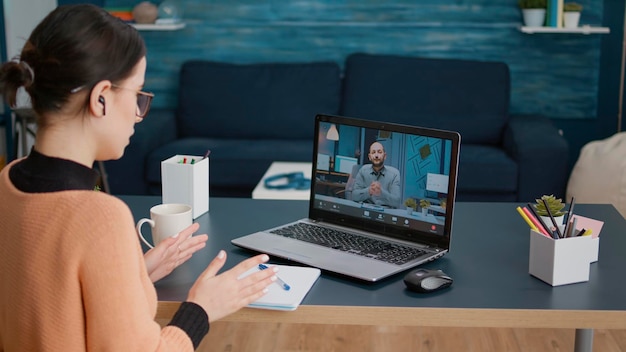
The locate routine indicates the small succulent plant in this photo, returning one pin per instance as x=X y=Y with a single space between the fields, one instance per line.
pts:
x=572 y=7
x=555 y=205
x=410 y=203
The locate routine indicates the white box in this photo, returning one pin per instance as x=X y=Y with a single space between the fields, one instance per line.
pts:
x=185 y=182
x=559 y=262
x=594 y=249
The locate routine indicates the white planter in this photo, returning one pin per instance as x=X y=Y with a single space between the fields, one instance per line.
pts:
x=571 y=19
x=534 y=17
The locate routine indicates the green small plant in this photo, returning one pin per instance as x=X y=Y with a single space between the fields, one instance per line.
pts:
x=555 y=205
x=410 y=203
x=424 y=203
x=532 y=4
x=572 y=7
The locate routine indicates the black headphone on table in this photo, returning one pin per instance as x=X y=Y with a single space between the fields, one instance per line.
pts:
x=295 y=180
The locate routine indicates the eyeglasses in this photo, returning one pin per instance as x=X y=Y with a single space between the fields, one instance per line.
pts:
x=144 y=99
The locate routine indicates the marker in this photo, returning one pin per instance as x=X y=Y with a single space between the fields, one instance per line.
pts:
x=535 y=221
x=279 y=281
x=525 y=217
x=545 y=203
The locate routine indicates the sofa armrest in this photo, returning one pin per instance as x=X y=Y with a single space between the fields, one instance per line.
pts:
x=541 y=153
x=127 y=175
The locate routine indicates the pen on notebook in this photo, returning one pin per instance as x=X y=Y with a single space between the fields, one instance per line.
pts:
x=545 y=203
x=279 y=281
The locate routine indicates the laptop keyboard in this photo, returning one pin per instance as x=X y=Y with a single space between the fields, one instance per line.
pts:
x=351 y=243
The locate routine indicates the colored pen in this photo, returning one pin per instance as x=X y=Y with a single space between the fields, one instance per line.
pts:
x=587 y=232
x=206 y=155
x=570 y=211
x=525 y=217
x=568 y=231
x=552 y=218
x=279 y=281
x=572 y=228
x=540 y=220
x=535 y=222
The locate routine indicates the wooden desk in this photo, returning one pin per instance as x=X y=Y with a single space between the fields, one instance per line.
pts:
x=488 y=261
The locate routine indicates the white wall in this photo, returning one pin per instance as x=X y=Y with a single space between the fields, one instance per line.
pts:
x=20 y=18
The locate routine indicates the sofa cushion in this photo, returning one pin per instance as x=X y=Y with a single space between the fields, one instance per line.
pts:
x=471 y=97
x=232 y=162
x=255 y=101
x=486 y=170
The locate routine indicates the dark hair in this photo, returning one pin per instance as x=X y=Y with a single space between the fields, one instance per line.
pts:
x=74 y=47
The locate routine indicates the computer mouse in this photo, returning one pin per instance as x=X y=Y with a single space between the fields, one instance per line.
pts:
x=425 y=280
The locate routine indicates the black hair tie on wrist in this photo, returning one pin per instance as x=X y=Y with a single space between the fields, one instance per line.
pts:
x=295 y=180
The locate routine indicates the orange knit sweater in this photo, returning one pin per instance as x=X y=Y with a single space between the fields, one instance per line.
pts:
x=73 y=277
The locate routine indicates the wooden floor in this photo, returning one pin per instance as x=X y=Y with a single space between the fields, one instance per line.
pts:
x=235 y=337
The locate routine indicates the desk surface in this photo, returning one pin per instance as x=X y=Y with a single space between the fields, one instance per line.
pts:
x=488 y=261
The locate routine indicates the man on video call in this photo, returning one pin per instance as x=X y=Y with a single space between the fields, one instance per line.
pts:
x=376 y=183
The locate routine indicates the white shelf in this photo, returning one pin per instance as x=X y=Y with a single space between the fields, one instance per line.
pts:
x=578 y=30
x=159 y=27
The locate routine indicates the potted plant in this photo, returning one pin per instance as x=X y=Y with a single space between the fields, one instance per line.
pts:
x=424 y=204
x=571 y=14
x=555 y=205
x=411 y=204
x=533 y=12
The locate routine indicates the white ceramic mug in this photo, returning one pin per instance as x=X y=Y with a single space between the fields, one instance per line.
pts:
x=166 y=220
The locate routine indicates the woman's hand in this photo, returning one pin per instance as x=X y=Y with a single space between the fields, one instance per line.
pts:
x=173 y=251
x=224 y=294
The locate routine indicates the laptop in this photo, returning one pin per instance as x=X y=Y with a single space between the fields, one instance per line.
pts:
x=382 y=200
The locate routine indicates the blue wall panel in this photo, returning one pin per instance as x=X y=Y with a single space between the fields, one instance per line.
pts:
x=552 y=74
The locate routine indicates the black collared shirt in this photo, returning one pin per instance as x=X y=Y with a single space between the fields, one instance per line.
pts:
x=39 y=173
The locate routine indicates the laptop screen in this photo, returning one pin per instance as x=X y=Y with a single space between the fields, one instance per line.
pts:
x=390 y=179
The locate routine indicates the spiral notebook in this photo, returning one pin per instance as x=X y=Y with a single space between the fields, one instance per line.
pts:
x=300 y=280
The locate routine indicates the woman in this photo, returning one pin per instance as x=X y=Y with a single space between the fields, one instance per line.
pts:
x=72 y=270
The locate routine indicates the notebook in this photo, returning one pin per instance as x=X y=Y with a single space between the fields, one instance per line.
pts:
x=300 y=280
x=382 y=203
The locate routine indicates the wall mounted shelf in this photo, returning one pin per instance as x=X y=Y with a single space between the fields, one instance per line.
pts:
x=577 y=30
x=159 y=27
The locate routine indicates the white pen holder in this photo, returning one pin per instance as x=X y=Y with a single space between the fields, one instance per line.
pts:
x=594 y=249
x=560 y=262
x=185 y=179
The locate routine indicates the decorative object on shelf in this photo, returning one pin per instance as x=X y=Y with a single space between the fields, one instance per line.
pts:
x=169 y=12
x=554 y=14
x=411 y=204
x=145 y=12
x=533 y=12
x=424 y=204
x=571 y=14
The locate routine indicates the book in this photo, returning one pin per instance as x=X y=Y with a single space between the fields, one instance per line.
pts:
x=554 y=14
x=300 y=280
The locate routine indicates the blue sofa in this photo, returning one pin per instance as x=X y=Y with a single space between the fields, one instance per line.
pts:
x=249 y=115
